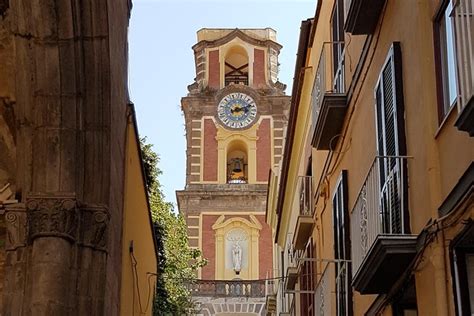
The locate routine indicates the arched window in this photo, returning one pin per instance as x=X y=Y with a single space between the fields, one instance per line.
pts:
x=236 y=66
x=237 y=162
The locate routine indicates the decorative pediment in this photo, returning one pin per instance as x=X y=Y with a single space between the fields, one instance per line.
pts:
x=236 y=222
x=237 y=33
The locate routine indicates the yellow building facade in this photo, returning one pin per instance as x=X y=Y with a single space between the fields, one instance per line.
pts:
x=139 y=261
x=372 y=207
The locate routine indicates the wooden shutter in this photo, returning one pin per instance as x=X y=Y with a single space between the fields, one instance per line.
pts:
x=342 y=247
x=391 y=141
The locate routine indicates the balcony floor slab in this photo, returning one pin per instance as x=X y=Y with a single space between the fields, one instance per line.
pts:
x=385 y=262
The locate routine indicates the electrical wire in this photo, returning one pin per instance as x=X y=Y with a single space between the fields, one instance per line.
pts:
x=135 y=275
x=149 y=276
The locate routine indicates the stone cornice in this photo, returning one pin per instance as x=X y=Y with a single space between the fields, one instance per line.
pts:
x=236 y=33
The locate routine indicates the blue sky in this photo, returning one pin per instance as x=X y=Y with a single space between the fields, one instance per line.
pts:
x=161 y=67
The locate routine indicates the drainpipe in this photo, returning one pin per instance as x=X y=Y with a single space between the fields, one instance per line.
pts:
x=439 y=262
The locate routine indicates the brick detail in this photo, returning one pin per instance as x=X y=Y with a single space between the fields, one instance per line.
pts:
x=265 y=249
x=258 y=68
x=210 y=151
x=263 y=150
x=209 y=247
x=214 y=69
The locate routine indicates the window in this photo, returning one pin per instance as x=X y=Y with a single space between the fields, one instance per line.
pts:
x=391 y=144
x=342 y=248
x=337 y=21
x=405 y=303
x=462 y=252
x=445 y=56
x=307 y=284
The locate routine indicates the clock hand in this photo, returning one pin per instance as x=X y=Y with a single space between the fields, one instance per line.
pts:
x=239 y=109
x=246 y=108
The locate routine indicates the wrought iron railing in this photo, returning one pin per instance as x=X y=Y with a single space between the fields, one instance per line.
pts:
x=294 y=256
x=270 y=286
x=380 y=208
x=463 y=18
x=231 y=288
x=333 y=291
x=323 y=296
x=330 y=75
x=305 y=189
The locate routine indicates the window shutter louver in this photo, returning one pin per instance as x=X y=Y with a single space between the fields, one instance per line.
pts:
x=390 y=141
x=342 y=248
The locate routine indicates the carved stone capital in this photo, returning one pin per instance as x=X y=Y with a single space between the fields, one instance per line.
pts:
x=52 y=216
x=94 y=226
x=16 y=226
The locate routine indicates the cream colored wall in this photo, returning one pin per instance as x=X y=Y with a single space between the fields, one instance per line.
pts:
x=136 y=227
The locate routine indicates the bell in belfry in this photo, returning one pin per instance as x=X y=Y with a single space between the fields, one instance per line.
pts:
x=237 y=165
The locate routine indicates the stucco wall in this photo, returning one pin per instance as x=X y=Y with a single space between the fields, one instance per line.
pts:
x=137 y=230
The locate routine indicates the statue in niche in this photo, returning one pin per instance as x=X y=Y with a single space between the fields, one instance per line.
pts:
x=237 y=257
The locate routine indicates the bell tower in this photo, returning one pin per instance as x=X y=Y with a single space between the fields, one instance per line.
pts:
x=235 y=117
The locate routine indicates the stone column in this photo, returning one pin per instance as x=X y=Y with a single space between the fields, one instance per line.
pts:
x=57 y=248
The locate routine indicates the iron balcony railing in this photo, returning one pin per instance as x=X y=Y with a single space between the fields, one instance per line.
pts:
x=270 y=285
x=294 y=256
x=463 y=18
x=380 y=208
x=333 y=292
x=305 y=189
x=323 y=295
x=231 y=288
x=330 y=76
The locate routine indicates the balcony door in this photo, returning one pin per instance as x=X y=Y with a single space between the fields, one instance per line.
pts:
x=337 y=25
x=391 y=144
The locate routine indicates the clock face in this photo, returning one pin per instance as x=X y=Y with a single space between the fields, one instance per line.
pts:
x=237 y=110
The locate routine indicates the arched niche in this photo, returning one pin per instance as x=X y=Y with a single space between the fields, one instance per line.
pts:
x=247 y=230
x=237 y=162
x=236 y=66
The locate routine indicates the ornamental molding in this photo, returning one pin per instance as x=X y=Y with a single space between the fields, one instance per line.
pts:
x=61 y=216
x=94 y=223
x=52 y=216
x=16 y=226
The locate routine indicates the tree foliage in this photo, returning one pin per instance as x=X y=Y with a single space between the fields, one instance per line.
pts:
x=177 y=263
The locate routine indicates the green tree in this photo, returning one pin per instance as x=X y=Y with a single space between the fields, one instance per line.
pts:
x=177 y=263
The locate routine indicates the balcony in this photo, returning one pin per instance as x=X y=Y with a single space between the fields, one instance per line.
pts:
x=291 y=266
x=270 y=295
x=305 y=221
x=329 y=101
x=324 y=292
x=463 y=18
x=382 y=247
x=294 y=261
x=333 y=295
x=231 y=288
x=361 y=16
